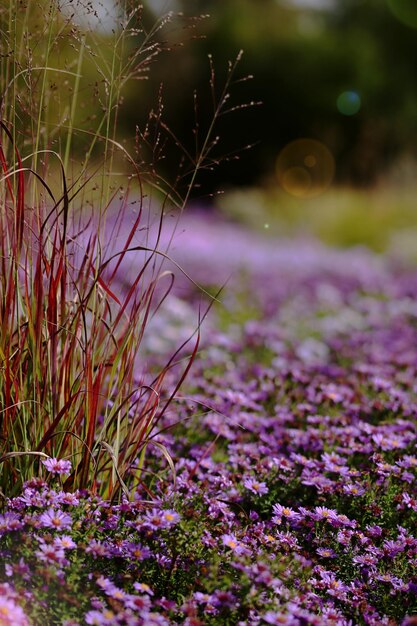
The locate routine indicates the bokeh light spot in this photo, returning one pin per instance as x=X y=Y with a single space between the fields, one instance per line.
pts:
x=296 y=181
x=305 y=168
x=405 y=11
x=310 y=160
x=349 y=103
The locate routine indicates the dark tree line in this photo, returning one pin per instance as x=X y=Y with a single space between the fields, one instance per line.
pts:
x=301 y=62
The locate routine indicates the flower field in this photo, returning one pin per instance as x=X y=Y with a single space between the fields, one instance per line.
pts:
x=289 y=492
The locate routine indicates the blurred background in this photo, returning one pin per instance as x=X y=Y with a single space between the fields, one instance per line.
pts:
x=328 y=142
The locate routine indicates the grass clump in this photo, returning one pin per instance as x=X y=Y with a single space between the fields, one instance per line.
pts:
x=74 y=381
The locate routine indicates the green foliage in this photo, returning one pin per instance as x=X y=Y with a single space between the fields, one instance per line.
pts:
x=383 y=219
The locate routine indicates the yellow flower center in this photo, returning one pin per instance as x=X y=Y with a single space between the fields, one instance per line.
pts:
x=4 y=611
x=108 y=614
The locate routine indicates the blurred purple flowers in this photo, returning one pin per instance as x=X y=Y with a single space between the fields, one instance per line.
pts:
x=295 y=453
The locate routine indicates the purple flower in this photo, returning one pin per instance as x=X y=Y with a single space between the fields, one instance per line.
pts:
x=409 y=502
x=334 y=463
x=68 y=498
x=97 y=548
x=394 y=581
x=100 y=618
x=56 y=466
x=137 y=603
x=393 y=547
x=157 y=519
x=408 y=461
x=287 y=540
x=344 y=537
x=105 y=584
x=230 y=541
x=10 y=521
x=386 y=442
x=48 y=553
x=374 y=531
x=154 y=619
x=223 y=599
x=354 y=489
x=143 y=588
x=116 y=593
x=20 y=569
x=255 y=486
x=170 y=518
x=322 y=513
x=333 y=586
x=55 y=519
x=136 y=551
x=11 y=614
x=343 y=520
x=326 y=553
x=365 y=559
x=271 y=617
x=202 y=598
x=286 y=512
x=64 y=542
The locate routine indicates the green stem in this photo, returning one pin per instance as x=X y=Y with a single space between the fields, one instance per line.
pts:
x=74 y=103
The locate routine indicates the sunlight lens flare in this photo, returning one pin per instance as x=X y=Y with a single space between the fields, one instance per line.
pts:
x=348 y=103
x=305 y=168
x=405 y=11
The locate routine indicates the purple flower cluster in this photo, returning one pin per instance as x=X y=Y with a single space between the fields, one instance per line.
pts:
x=294 y=443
